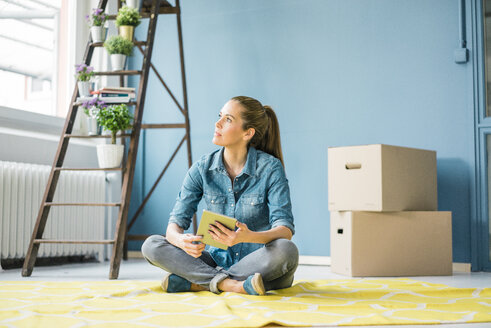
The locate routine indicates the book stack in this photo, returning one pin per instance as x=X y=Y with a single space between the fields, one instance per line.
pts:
x=384 y=217
x=115 y=94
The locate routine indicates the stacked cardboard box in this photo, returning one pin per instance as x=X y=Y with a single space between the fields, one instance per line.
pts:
x=383 y=208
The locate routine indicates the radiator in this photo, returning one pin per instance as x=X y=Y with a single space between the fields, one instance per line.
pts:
x=22 y=188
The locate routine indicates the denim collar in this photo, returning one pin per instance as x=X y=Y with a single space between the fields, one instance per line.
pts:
x=249 y=167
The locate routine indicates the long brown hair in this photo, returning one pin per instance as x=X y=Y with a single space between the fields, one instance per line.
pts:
x=264 y=121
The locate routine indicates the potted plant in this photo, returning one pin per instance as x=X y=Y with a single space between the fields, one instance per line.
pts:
x=114 y=118
x=126 y=20
x=96 y=22
x=91 y=109
x=119 y=48
x=83 y=74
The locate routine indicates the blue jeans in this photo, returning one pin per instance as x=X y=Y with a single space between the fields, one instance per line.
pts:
x=276 y=262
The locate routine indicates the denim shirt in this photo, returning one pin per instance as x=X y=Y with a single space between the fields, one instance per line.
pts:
x=259 y=197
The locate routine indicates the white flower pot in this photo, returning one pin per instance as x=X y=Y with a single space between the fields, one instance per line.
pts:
x=133 y=3
x=117 y=62
x=98 y=33
x=93 y=127
x=84 y=88
x=110 y=155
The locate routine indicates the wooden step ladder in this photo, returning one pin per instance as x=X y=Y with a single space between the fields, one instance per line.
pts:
x=151 y=10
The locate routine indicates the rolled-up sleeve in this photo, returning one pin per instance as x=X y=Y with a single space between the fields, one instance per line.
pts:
x=188 y=198
x=280 y=206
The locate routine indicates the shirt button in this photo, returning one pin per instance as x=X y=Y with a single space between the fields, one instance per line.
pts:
x=232 y=205
x=229 y=189
x=212 y=201
x=236 y=254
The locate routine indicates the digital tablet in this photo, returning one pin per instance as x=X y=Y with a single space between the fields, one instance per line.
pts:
x=208 y=218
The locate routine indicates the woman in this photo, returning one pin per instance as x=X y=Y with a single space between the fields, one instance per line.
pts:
x=244 y=179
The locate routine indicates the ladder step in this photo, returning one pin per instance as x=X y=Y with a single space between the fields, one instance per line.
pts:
x=101 y=44
x=117 y=73
x=163 y=126
x=124 y=135
x=131 y=103
x=137 y=237
x=82 y=204
x=163 y=10
x=53 y=241
x=86 y=169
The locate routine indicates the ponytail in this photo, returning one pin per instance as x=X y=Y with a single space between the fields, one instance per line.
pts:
x=265 y=123
x=271 y=142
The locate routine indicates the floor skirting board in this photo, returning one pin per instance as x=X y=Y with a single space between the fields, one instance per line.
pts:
x=303 y=260
x=326 y=260
x=314 y=260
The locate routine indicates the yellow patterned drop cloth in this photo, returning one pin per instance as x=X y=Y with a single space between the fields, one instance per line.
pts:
x=307 y=303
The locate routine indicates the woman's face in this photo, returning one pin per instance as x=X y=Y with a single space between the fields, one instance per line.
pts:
x=228 y=128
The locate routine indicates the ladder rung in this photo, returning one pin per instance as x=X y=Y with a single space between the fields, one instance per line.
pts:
x=86 y=169
x=53 y=241
x=136 y=43
x=82 y=204
x=137 y=237
x=124 y=135
x=116 y=73
x=163 y=126
x=163 y=10
x=131 y=103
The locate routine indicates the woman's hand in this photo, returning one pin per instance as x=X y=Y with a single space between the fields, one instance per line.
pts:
x=191 y=244
x=187 y=242
x=222 y=234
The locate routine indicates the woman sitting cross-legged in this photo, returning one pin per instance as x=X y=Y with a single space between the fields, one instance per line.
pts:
x=244 y=179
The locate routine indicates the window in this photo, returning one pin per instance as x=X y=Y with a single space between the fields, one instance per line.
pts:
x=29 y=41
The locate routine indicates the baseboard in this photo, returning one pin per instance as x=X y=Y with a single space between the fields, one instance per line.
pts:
x=323 y=260
x=135 y=255
x=304 y=259
x=314 y=260
x=326 y=260
x=461 y=267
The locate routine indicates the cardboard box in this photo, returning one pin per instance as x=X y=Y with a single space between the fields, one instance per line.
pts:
x=381 y=178
x=378 y=244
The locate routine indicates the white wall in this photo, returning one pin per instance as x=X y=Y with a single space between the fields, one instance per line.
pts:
x=33 y=138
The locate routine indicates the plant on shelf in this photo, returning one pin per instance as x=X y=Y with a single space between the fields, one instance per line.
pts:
x=84 y=74
x=96 y=21
x=119 y=48
x=113 y=118
x=126 y=20
x=91 y=109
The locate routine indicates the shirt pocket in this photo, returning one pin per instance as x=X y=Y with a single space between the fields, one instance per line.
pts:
x=253 y=210
x=216 y=203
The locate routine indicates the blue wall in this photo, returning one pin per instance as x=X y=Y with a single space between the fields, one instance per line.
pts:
x=337 y=73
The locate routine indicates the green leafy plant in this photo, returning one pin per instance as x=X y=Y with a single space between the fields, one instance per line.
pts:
x=115 y=118
x=116 y=44
x=128 y=17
